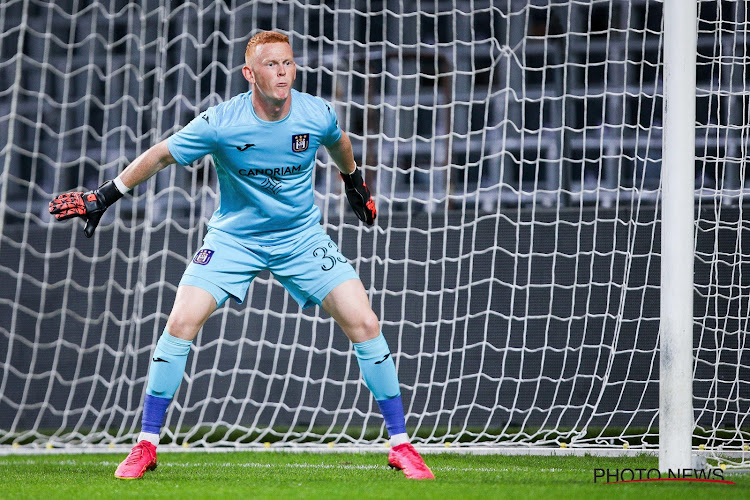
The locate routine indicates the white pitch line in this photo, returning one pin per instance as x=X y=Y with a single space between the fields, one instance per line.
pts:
x=255 y=465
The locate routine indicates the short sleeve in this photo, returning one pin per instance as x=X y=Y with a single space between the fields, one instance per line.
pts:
x=196 y=140
x=332 y=131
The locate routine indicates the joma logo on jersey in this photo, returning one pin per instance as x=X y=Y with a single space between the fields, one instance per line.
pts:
x=203 y=257
x=300 y=142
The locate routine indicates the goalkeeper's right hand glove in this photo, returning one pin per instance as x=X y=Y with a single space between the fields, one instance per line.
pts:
x=90 y=206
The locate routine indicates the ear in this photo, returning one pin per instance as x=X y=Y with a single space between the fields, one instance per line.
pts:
x=247 y=73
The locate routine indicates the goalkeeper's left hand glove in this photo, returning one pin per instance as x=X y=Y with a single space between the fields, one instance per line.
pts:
x=90 y=206
x=359 y=196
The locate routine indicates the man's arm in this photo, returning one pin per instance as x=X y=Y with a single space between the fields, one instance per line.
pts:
x=356 y=190
x=146 y=165
x=341 y=154
x=90 y=206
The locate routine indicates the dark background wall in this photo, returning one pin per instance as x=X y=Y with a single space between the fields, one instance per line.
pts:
x=520 y=319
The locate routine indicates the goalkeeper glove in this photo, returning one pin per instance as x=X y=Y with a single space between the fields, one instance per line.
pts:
x=359 y=196
x=90 y=206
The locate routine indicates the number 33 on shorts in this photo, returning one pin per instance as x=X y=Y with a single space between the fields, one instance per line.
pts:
x=330 y=256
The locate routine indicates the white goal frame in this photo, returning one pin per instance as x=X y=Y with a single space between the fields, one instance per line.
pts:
x=676 y=422
x=523 y=164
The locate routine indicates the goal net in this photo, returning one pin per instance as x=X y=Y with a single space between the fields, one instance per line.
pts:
x=514 y=149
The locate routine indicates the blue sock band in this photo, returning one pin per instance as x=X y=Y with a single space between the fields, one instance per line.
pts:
x=154 y=409
x=393 y=414
x=164 y=377
x=379 y=372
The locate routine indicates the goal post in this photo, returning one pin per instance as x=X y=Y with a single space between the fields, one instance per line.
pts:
x=676 y=421
x=534 y=209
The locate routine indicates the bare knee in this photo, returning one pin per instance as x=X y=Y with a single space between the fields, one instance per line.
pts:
x=192 y=307
x=366 y=327
x=350 y=307
x=183 y=326
x=371 y=325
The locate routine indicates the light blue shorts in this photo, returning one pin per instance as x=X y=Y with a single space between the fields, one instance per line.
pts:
x=309 y=266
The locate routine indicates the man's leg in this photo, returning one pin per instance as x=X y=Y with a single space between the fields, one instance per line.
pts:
x=191 y=309
x=349 y=305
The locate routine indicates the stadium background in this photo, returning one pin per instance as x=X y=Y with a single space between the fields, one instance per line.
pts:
x=515 y=262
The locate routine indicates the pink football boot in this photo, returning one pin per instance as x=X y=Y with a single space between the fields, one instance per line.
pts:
x=406 y=458
x=141 y=458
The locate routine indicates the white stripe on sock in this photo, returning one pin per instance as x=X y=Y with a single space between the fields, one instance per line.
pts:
x=398 y=439
x=150 y=437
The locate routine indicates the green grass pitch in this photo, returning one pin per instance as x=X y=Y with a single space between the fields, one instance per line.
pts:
x=338 y=475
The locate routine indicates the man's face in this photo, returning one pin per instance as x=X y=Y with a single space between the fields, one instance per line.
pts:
x=272 y=70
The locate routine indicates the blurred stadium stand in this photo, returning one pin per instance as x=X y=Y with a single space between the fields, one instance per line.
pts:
x=552 y=99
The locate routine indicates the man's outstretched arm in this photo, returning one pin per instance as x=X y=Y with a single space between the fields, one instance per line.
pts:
x=146 y=165
x=90 y=206
x=356 y=190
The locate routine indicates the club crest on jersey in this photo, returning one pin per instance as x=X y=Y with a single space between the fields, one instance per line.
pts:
x=300 y=142
x=203 y=256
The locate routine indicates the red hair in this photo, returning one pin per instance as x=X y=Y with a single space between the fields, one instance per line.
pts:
x=261 y=38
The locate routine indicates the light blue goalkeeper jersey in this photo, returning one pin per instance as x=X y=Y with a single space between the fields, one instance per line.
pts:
x=264 y=168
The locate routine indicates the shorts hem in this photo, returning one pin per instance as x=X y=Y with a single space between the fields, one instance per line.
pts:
x=220 y=295
x=317 y=297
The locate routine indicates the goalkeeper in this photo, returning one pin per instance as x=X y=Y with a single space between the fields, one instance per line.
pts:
x=263 y=144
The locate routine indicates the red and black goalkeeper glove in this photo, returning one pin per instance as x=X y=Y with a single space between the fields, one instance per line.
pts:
x=359 y=196
x=90 y=206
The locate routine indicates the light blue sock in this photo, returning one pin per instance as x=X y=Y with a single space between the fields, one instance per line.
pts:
x=164 y=377
x=379 y=372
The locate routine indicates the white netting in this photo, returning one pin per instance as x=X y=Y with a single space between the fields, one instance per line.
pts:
x=722 y=268
x=514 y=148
